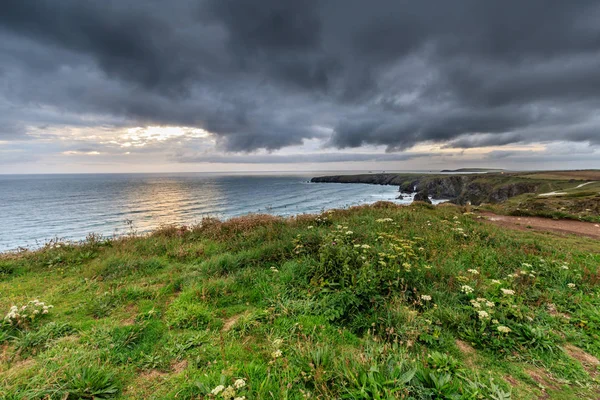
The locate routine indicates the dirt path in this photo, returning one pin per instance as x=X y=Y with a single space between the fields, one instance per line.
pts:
x=564 y=226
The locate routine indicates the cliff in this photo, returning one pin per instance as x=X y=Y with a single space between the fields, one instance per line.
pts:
x=459 y=189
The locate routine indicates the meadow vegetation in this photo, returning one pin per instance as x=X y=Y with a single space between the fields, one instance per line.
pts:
x=374 y=302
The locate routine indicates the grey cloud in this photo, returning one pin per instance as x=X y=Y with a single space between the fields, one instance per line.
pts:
x=265 y=74
x=294 y=158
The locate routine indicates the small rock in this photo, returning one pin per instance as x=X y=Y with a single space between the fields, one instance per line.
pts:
x=422 y=195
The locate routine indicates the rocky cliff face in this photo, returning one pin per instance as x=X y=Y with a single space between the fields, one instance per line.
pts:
x=459 y=189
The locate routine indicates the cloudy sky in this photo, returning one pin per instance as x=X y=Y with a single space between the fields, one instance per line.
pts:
x=221 y=85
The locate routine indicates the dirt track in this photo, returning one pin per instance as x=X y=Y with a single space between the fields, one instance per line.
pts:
x=563 y=226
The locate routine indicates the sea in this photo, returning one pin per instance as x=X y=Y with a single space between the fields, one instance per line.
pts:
x=36 y=209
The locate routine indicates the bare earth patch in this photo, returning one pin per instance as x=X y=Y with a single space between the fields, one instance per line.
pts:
x=542 y=378
x=230 y=322
x=179 y=366
x=589 y=362
x=563 y=226
x=468 y=351
x=555 y=313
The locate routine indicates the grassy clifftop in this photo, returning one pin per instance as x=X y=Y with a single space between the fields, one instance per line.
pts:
x=374 y=302
x=555 y=194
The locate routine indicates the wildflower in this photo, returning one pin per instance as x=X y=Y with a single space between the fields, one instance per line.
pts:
x=496 y=281
x=473 y=271
x=495 y=321
x=228 y=393
x=240 y=383
x=217 y=390
x=483 y=314
x=310 y=227
x=365 y=246
x=565 y=267
x=526 y=265
x=489 y=304
x=571 y=285
x=475 y=304
x=357 y=245
x=240 y=398
x=507 y=292
x=504 y=329
x=276 y=354
x=273 y=269
x=277 y=342
x=466 y=289
x=425 y=297
x=349 y=233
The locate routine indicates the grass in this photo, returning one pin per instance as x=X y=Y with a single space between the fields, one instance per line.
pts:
x=571 y=202
x=375 y=302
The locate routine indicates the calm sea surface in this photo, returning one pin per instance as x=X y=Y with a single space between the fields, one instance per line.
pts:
x=37 y=208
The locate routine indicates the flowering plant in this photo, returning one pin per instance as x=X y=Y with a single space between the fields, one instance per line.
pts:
x=235 y=391
x=27 y=314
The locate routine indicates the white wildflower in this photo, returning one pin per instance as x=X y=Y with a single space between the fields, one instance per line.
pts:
x=218 y=390
x=467 y=289
x=504 y=329
x=228 y=393
x=483 y=314
x=425 y=297
x=276 y=354
x=507 y=292
x=475 y=304
x=473 y=271
x=240 y=383
x=349 y=232
x=571 y=285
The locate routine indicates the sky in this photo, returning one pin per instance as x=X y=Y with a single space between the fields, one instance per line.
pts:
x=278 y=85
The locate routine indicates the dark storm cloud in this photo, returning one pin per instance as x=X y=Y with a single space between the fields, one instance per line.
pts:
x=269 y=74
x=294 y=158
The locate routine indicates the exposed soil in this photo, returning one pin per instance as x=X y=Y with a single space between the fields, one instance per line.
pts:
x=229 y=323
x=468 y=351
x=542 y=378
x=563 y=226
x=589 y=362
x=179 y=366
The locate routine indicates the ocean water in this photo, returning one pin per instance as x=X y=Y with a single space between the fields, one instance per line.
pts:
x=38 y=208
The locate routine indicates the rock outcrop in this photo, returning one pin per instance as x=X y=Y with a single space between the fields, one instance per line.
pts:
x=423 y=196
x=460 y=189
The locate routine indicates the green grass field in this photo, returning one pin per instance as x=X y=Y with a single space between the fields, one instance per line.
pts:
x=378 y=302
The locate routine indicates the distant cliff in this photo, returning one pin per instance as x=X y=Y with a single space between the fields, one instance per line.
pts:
x=459 y=189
